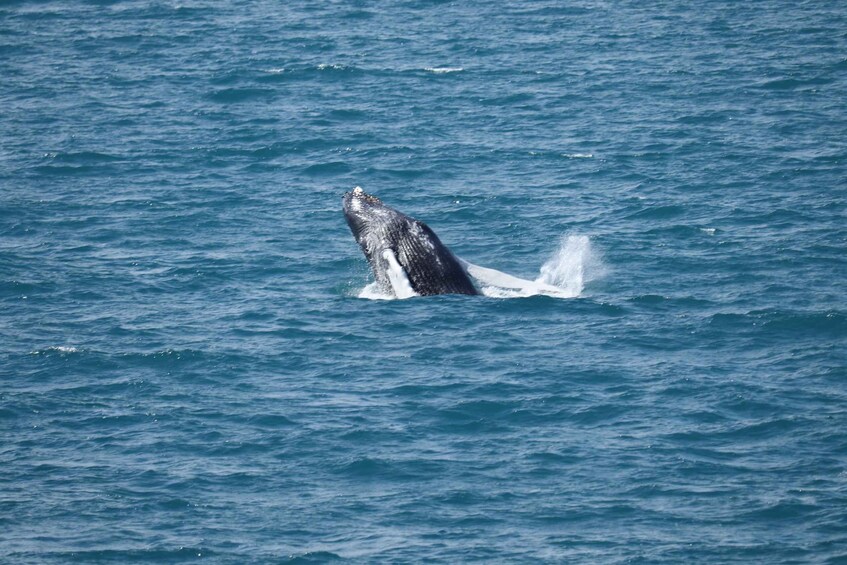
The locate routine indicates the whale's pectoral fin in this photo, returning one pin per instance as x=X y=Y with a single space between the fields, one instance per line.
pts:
x=397 y=276
x=495 y=278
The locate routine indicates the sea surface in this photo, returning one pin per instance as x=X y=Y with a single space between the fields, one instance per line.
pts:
x=192 y=370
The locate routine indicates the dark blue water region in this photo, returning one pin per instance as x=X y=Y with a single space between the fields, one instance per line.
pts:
x=190 y=369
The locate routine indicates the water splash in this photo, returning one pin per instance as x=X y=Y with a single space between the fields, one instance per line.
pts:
x=574 y=264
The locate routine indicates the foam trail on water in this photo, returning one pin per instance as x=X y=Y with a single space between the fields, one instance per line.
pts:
x=574 y=264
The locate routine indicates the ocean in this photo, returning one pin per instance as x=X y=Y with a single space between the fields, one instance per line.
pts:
x=192 y=368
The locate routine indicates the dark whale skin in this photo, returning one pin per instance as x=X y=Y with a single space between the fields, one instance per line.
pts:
x=429 y=265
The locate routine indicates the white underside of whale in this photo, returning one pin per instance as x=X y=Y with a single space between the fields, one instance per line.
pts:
x=397 y=276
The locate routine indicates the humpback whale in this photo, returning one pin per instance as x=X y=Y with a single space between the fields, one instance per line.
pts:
x=406 y=256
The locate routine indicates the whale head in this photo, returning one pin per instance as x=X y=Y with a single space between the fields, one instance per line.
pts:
x=367 y=216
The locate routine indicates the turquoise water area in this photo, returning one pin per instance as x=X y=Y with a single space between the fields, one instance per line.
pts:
x=188 y=371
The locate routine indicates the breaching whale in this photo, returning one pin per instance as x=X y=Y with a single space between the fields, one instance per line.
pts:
x=408 y=259
x=406 y=256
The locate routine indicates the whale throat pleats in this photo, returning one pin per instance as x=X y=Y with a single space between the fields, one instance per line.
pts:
x=430 y=266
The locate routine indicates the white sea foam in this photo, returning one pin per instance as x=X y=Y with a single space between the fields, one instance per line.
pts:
x=57 y=348
x=442 y=70
x=374 y=291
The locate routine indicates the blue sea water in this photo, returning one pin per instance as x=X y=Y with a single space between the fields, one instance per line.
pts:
x=187 y=369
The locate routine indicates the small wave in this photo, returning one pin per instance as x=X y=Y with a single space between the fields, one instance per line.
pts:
x=166 y=356
x=794 y=83
x=327 y=169
x=784 y=322
x=285 y=74
x=232 y=95
x=333 y=67
x=805 y=323
x=132 y=555
x=313 y=557
x=63 y=170
x=443 y=70
x=658 y=212
x=358 y=15
x=347 y=114
x=578 y=155
x=508 y=100
x=59 y=349
x=81 y=157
